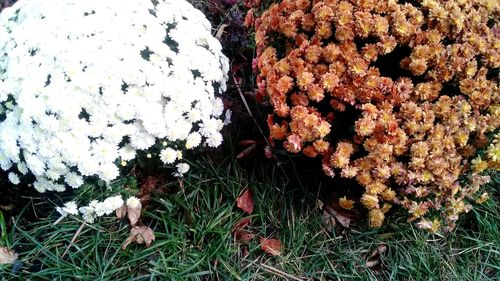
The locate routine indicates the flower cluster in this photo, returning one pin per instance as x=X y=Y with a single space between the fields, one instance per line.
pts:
x=96 y=208
x=85 y=85
x=420 y=81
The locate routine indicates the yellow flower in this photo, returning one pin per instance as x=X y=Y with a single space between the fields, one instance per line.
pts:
x=478 y=165
x=494 y=152
x=346 y=203
x=369 y=201
x=388 y=194
x=483 y=198
x=376 y=218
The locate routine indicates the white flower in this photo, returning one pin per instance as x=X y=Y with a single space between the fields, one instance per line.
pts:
x=113 y=203
x=88 y=214
x=73 y=180
x=13 y=178
x=85 y=85
x=21 y=167
x=182 y=168
x=127 y=153
x=168 y=155
x=214 y=140
x=193 y=140
x=133 y=202
x=68 y=208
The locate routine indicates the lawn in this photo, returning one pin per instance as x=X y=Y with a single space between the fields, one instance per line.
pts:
x=193 y=225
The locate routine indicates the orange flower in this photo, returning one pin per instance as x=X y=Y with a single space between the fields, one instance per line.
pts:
x=358 y=66
x=364 y=126
x=283 y=66
x=323 y=129
x=278 y=132
x=324 y=29
x=308 y=22
x=303 y=4
x=345 y=203
x=345 y=148
x=304 y=80
x=339 y=161
x=418 y=66
x=299 y=99
x=369 y=52
x=331 y=52
x=349 y=172
x=415 y=132
x=284 y=85
x=324 y=13
x=293 y=144
x=363 y=24
x=375 y=188
x=321 y=146
x=313 y=54
x=315 y=93
x=310 y=151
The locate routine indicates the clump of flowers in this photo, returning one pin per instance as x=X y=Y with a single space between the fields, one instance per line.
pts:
x=86 y=85
x=421 y=82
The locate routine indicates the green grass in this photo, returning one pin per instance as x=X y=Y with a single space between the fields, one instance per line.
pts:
x=194 y=241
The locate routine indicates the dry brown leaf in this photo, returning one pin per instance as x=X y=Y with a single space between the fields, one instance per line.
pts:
x=244 y=252
x=247 y=142
x=271 y=246
x=245 y=201
x=241 y=224
x=134 y=212
x=140 y=235
x=243 y=236
x=121 y=212
x=7 y=256
x=374 y=261
x=328 y=221
x=343 y=216
x=246 y=151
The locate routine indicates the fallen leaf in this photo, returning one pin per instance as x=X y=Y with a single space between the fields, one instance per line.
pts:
x=343 y=216
x=134 y=208
x=271 y=246
x=121 y=212
x=246 y=151
x=241 y=224
x=244 y=252
x=140 y=235
x=374 y=261
x=247 y=142
x=328 y=221
x=243 y=236
x=245 y=201
x=7 y=256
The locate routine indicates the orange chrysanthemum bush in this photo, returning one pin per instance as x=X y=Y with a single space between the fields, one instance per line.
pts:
x=418 y=80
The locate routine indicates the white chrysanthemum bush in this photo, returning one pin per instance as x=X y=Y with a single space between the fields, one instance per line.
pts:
x=87 y=85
